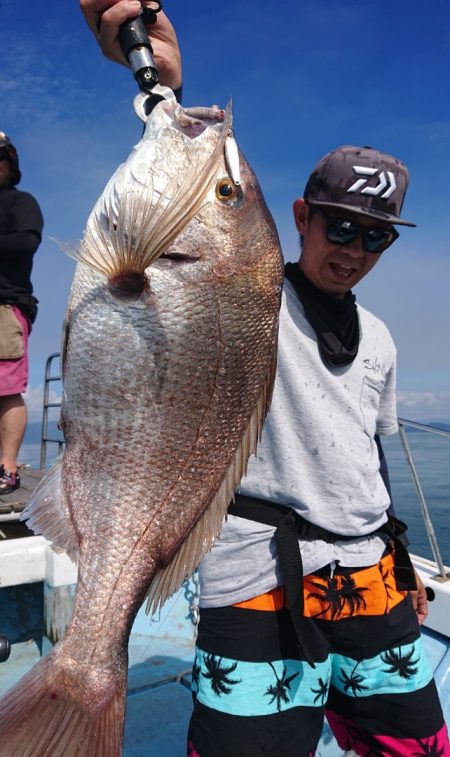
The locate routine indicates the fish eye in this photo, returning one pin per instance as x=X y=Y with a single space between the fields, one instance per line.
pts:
x=226 y=191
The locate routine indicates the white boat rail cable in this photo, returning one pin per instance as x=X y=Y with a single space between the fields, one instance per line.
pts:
x=429 y=528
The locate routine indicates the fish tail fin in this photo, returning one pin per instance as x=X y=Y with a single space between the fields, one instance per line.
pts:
x=38 y=718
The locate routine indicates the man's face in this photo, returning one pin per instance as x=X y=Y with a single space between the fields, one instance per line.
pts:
x=333 y=268
x=5 y=173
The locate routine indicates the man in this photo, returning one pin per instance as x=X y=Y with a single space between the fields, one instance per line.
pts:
x=305 y=597
x=20 y=234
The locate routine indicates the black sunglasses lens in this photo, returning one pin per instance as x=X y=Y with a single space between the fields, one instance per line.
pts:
x=342 y=232
x=377 y=240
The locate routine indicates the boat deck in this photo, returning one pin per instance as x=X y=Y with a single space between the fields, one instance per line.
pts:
x=160 y=660
x=36 y=581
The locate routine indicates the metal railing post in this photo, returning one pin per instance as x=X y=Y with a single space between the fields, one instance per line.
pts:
x=429 y=528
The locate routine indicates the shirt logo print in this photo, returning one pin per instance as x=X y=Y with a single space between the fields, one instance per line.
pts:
x=373 y=365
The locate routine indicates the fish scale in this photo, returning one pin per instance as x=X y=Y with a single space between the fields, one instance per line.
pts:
x=168 y=363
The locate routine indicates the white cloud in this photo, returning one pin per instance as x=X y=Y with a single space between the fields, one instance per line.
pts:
x=424 y=405
x=34 y=398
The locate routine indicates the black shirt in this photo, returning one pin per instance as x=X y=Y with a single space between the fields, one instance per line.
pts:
x=21 y=225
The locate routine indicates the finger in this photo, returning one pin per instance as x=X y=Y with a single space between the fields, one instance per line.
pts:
x=111 y=20
x=92 y=11
x=422 y=608
x=420 y=604
x=421 y=617
x=153 y=5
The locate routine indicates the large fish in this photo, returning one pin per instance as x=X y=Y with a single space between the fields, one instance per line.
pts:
x=168 y=362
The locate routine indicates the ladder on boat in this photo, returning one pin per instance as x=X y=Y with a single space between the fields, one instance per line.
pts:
x=49 y=379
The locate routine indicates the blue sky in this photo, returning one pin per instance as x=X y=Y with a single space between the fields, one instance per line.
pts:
x=304 y=77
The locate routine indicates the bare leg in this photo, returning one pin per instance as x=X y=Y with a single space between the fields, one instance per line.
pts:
x=13 y=422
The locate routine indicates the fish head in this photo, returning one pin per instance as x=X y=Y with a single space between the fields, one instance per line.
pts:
x=185 y=200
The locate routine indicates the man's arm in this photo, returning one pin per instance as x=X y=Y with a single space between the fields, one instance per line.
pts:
x=104 y=18
x=19 y=242
x=23 y=230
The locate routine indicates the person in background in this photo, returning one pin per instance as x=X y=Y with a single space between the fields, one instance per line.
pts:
x=21 y=226
x=308 y=599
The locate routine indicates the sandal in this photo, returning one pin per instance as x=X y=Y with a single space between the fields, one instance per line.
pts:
x=9 y=482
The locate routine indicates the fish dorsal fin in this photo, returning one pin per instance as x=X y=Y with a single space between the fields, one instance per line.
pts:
x=47 y=513
x=168 y=580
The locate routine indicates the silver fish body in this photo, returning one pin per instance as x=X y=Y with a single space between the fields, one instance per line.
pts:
x=169 y=356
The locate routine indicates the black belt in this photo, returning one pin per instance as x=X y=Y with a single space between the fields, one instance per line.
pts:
x=290 y=527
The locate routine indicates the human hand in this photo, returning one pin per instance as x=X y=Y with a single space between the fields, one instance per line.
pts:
x=419 y=599
x=104 y=18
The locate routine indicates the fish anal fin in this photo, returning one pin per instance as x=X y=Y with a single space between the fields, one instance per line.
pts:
x=37 y=719
x=47 y=513
x=168 y=579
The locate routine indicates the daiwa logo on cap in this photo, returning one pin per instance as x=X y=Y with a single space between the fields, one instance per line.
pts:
x=386 y=179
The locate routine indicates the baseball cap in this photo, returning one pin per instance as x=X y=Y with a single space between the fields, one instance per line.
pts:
x=362 y=180
x=9 y=152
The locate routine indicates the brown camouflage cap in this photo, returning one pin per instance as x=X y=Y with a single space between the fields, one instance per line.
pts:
x=361 y=180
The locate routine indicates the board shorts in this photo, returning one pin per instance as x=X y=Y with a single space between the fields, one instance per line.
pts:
x=15 y=330
x=255 y=694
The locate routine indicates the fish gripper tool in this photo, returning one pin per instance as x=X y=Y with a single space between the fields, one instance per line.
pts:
x=138 y=51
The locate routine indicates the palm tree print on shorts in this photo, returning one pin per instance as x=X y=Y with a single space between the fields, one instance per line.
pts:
x=429 y=748
x=279 y=690
x=221 y=683
x=337 y=598
x=322 y=691
x=398 y=665
x=353 y=682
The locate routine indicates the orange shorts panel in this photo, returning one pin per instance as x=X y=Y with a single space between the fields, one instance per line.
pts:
x=362 y=591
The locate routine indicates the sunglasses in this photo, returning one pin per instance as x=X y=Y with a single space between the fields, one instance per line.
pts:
x=343 y=231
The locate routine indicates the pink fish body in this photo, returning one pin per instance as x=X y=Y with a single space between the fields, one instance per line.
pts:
x=169 y=353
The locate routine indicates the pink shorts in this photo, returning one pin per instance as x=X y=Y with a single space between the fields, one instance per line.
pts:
x=14 y=373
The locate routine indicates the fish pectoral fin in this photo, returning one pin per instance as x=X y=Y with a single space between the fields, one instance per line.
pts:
x=168 y=580
x=47 y=513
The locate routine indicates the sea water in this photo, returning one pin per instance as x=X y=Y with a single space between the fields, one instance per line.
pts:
x=431 y=455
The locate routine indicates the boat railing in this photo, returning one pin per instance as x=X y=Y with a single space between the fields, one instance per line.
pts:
x=426 y=517
x=402 y=422
x=49 y=378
